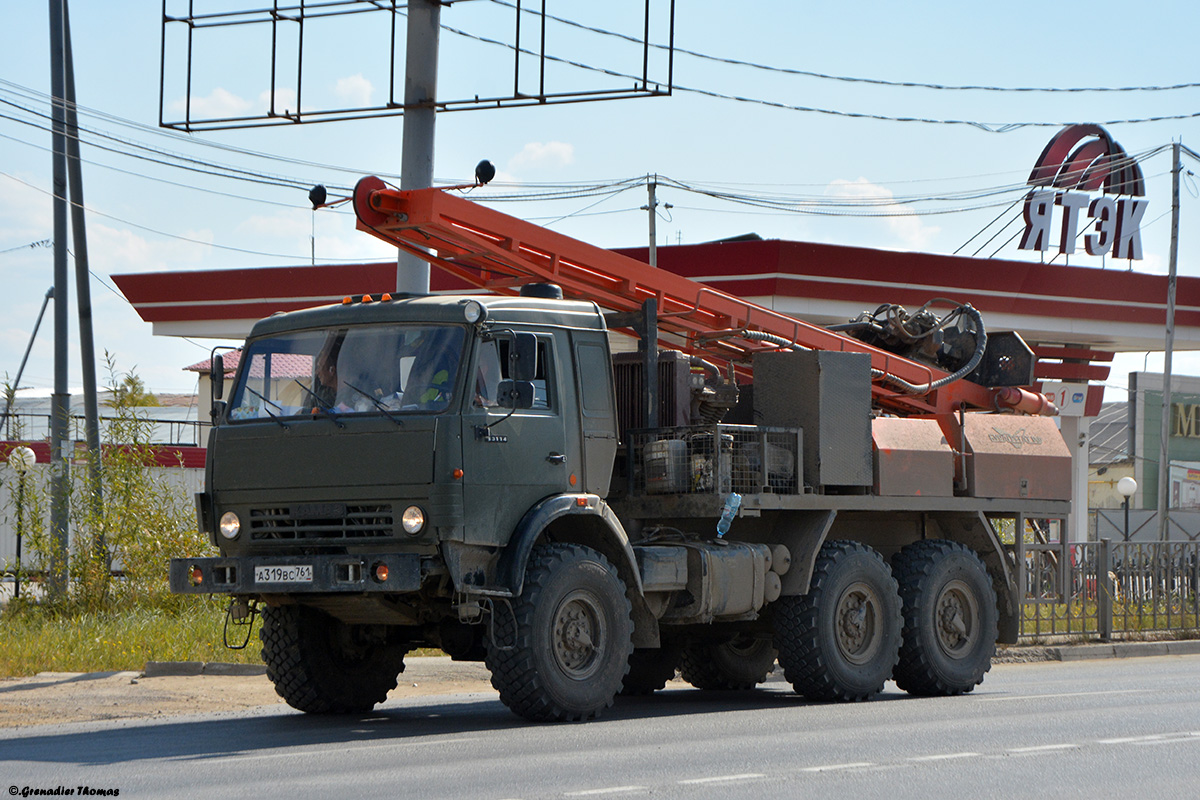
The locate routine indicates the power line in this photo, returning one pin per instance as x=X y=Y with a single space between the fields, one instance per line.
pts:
x=845 y=78
x=989 y=127
x=148 y=229
x=27 y=246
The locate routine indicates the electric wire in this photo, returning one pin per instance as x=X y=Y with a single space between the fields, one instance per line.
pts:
x=284 y=256
x=845 y=78
x=989 y=127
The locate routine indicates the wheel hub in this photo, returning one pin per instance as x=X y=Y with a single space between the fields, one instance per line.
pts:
x=857 y=616
x=956 y=612
x=578 y=636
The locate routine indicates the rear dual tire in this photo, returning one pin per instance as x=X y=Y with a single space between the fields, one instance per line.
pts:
x=950 y=618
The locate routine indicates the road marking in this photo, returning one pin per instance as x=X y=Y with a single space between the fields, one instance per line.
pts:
x=832 y=767
x=1043 y=748
x=1130 y=739
x=746 y=776
x=1062 y=694
x=944 y=756
x=608 y=790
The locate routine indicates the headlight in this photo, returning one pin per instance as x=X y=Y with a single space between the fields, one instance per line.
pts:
x=230 y=525
x=413 y=520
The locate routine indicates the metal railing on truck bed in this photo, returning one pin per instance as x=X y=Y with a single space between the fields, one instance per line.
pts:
x=713 y=459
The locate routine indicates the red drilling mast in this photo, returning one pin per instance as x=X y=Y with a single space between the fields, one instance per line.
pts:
x=500 y=253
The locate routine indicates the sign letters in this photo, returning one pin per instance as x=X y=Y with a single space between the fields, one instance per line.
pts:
x=1064 y=177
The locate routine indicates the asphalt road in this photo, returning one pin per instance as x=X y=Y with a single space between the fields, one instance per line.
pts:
x=1115 y=728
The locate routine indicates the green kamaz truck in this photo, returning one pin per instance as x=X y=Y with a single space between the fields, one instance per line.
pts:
x=482 y=474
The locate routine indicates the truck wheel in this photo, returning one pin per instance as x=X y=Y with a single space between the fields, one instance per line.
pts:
x=742 y=662
x=562 y=650
x=950 y=618
x=321 y=665
x=650 y=669
x=841 y=640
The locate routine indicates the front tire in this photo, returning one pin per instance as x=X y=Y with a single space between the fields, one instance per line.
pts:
x=562 y=650
x=321 y=665
x=842 y=639
x=950 y=618
x=739 y=663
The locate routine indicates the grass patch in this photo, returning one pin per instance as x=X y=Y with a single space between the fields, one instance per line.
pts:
x=1082 y=618
x=37 y=641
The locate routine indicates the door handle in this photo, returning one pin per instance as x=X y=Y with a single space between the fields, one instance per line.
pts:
x=557 y=458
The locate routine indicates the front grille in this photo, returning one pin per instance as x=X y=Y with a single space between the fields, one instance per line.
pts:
x=322 y=521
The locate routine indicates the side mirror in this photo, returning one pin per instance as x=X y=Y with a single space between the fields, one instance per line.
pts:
x=515 y=394
x=522 y=358
x=217 y=376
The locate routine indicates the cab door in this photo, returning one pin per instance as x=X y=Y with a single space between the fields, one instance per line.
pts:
x=514 y=458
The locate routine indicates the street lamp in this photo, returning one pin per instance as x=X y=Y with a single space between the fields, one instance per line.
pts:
x=1126 y=487
x=22 y=460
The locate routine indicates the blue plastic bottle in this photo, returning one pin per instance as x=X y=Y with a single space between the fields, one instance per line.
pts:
x=732 y=503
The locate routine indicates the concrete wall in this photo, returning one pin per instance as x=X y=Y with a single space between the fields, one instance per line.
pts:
x=188 y=481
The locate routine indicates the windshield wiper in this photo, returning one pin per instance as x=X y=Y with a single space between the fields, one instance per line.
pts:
x=278 y=421
x=320 y=404
x=399 y=422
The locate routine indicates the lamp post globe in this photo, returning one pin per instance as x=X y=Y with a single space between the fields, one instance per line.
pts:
x=1126 y=487
x=22 y=459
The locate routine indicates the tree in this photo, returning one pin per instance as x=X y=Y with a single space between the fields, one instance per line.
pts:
x=131 y=392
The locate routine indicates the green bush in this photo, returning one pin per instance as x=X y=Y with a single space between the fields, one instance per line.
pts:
x=123 y=543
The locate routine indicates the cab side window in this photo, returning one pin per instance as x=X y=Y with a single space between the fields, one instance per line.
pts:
x=492 y=367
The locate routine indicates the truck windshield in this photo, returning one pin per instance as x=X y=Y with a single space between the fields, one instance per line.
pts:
x=360 y=370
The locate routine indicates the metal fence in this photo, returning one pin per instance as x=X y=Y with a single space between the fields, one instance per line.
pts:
x=1105 y=589
x=36 y=427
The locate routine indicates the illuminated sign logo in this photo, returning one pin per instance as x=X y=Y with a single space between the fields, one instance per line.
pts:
x=1098 y=163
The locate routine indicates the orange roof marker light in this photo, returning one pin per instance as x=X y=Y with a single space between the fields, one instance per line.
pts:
x=385 y=297
x=347 y=300
x=366 y=298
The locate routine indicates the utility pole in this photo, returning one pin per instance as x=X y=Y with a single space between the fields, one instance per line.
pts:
x=651 y=207
x=1164 y=467
x=83 y=293
x=420 y=95
x=60 y=400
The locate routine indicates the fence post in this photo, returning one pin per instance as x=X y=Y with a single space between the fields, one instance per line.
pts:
x=1104 y=597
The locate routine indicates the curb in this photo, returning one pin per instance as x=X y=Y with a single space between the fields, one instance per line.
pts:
x=1010 y=655
x=163 y=669
x=1085 y=652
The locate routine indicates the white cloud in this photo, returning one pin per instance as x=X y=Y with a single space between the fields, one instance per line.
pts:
x=903 y=223
x=355 y=89
x=219 y=103
x=541 y=155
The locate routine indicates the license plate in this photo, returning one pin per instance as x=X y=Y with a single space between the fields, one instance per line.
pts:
x=298 y=573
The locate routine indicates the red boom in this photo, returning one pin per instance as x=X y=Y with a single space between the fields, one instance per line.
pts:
x=500 y=253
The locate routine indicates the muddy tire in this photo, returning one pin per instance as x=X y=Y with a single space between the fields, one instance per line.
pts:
x=649 y=670
x=321 y=665
x=950 y=618
x=561 y=651
x=842 y=639
x=739 y=663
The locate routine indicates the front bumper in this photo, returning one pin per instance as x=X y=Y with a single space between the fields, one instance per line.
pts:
x=330 y=574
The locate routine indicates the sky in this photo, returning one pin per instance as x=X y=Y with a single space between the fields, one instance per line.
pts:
x=146 y=212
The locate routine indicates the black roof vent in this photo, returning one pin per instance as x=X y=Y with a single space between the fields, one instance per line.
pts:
x=546 y=291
